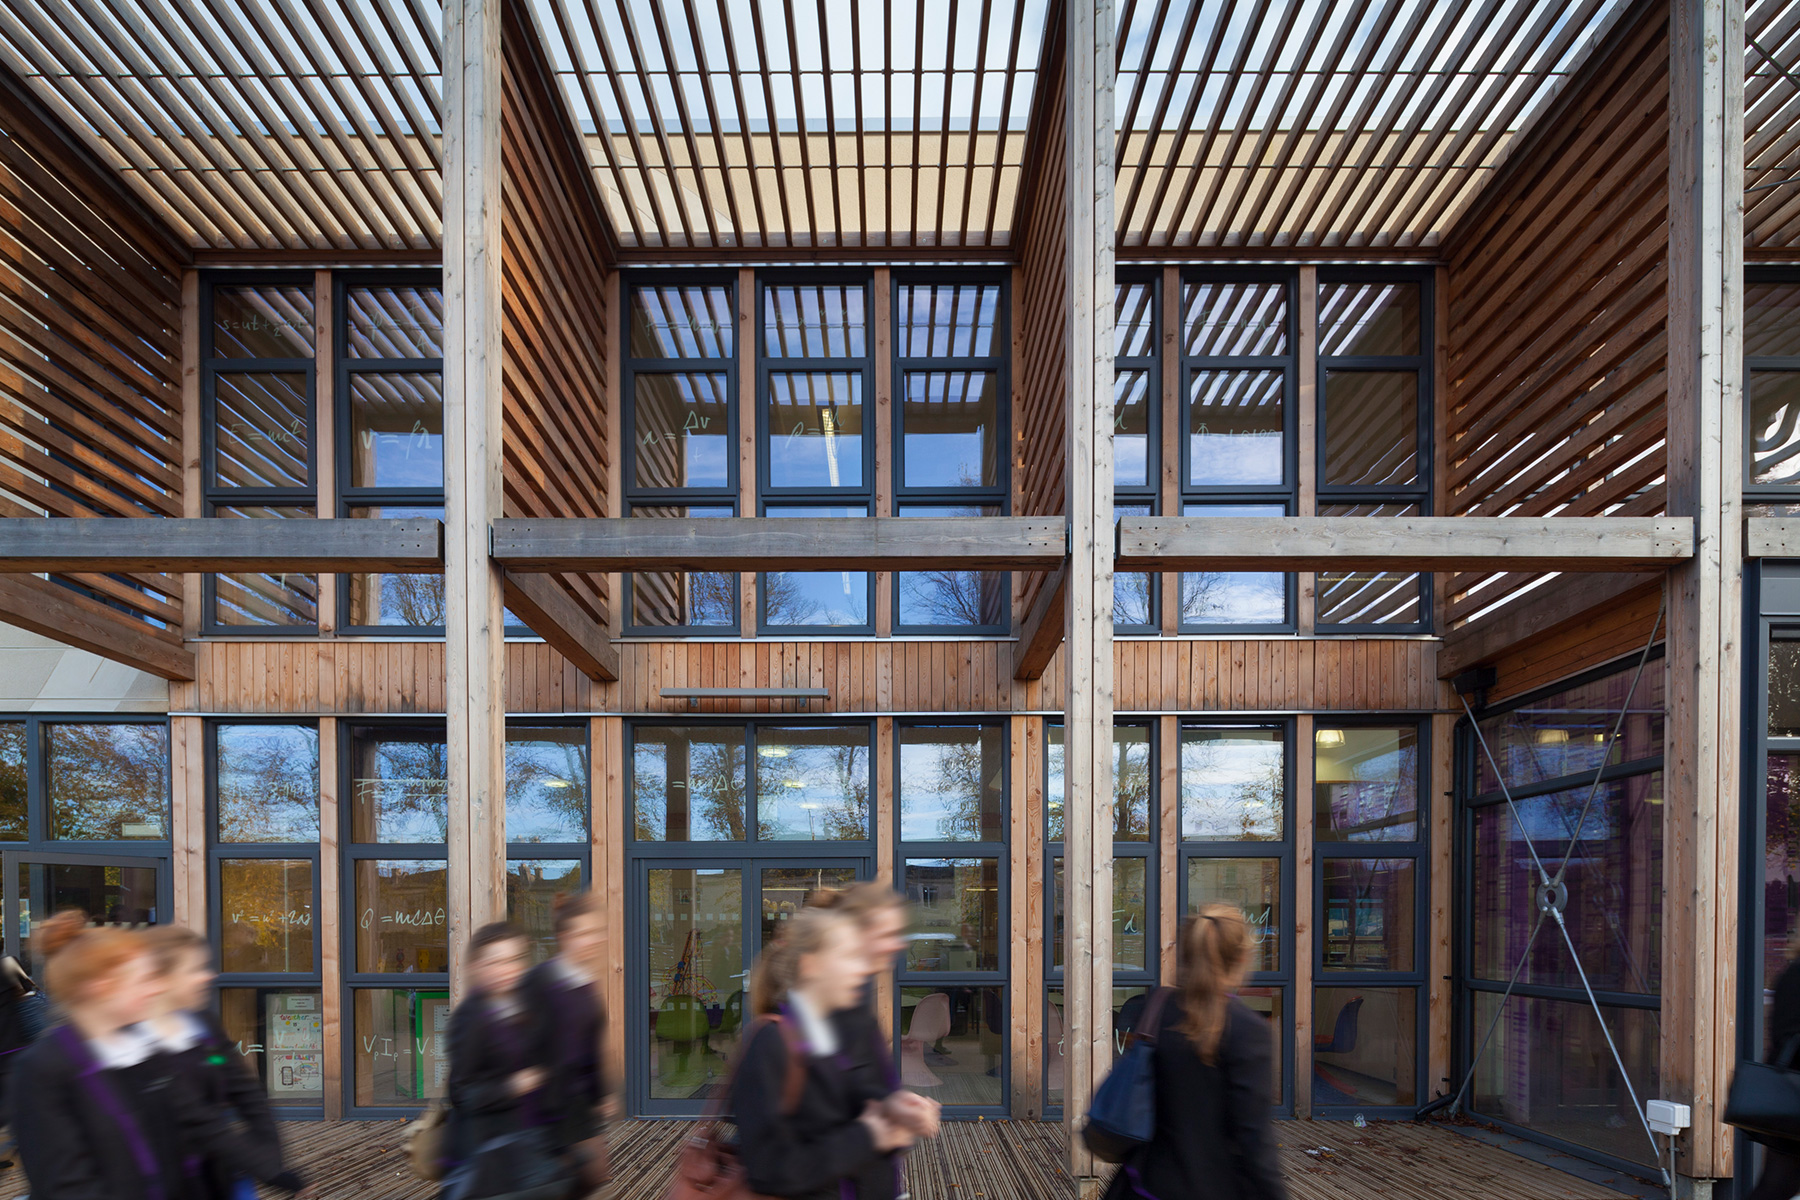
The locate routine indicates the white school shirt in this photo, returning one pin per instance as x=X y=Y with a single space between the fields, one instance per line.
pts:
x=821 y=1036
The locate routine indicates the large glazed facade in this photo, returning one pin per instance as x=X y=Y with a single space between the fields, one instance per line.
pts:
x=1072 y=466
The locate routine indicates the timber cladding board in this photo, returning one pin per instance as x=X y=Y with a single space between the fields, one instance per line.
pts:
x=90 y=354
x=1558 y=312
x=400 y=677
x=772 y=544
x=557 y=457
x=1615 y=632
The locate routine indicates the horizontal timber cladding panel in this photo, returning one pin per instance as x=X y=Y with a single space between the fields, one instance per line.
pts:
x=1042 y=380
x=1273 y=674
x=1558 y=309
x=90 y=355
x=1616 y=632
x=554 y=315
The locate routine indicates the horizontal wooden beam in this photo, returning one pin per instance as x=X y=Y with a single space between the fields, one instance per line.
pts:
x=1539 y=613
x=66 y=616
x=744 y=693
x=1772 y=537
x=553 y=615
x=1404 y=543
x=29 y=545
x=1042 y=632
x=779 y=544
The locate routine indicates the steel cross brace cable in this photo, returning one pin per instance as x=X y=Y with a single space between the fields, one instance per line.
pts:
x=1552 y=895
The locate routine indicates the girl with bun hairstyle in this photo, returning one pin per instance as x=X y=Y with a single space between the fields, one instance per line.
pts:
x=562 y=996
x=1214 y=1062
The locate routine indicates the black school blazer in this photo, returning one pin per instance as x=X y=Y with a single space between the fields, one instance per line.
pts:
x=1214 y=1135
x=809 y=1154
x=486 y=1050
x=221 y=1078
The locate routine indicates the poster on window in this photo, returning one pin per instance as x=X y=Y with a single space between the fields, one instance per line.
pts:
x=295 y=1034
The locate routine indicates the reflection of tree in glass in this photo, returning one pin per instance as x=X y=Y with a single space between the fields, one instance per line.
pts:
x=268 y=784
x=847 y=815
x=12 y=780
x=546 y=787
x=960 y=775
x=408 y=790
x=787 y=603
x=1131 y=785
x=103 y=777
x=1202 y=595
x=954 y=597
x=827 y=779
x=710 y=773
x=1131 y=598
x=412 y=600
x=1231 y=788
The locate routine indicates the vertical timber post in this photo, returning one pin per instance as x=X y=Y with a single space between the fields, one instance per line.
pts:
x=475 y=655
x=1088 y=614
x=1704 y=661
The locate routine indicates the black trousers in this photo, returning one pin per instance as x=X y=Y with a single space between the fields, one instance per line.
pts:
x=1780 y=1177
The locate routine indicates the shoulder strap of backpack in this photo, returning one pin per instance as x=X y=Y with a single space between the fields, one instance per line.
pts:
x=795 y=1085
x=1150 y=1024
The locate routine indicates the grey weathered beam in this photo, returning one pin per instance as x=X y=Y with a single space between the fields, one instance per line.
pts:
x=1772 y=537
x=1042 y=631
x=1404 y=543
x=30 y=545
x=779 y=544
x=553 y=615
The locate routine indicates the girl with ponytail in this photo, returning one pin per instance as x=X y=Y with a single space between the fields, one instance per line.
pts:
x=1214 y=1066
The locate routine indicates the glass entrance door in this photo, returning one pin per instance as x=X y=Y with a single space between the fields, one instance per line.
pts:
x=128 y=892
x=698 y=948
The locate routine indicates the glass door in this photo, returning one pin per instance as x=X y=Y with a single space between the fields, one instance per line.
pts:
x=123 y=890
x=698 y=947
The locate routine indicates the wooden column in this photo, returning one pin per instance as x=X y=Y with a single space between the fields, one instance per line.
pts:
x=883 y=320
x=607 y=849
x=1441 y=1018
x=747 y=350
x=330 y=917
x=887 y=752
x=1174 y=428
x=1025 y=743
x=1088 y=613
x=1301 y=813
x=475 y=662
x=325 y=430
x=1705 y=474
x=1306 y=425
x=1168 y=847
x=187 y=823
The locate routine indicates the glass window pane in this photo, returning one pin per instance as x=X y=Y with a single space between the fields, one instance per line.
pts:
x=1237 y=431
x=815 y=429
x=1234 y=597
x=1781 y=871
x=957 y=914
x=1615 y=877
x=397 y=785
x=948 y=320
x=1132 y=918
x=1784 y=688
x=950 y=426
x=1371 y=429
x=280 y=1033
x=1368 y=318
x=698 y=981
x=1369 y=921
x=396 y=601
x=690 y=599
x=1133 y=394
x=1134 y=320
x=681 y=322
x=1774 y=415
x=953 y=1043
x=1225 y=319
x=1127 y=1008
x=402 y=1047
x=1567 y=733
x=812 y=783
x=1771 y=319
x=532 y=886
x=115 y=897
x=397 y=430
x=687 y=783
x=107 y=782
x=1365 y=1046
x=1369 y=597
x=784 y=891
x=816 y=599
x=953 y=599
x=267 y=780
x=1271 y=1003
x=950 y=783
x=1366 y=784
x=264 y=321
x=401 y=927
x=547 y=783
x=681 y=430
x=394 y=321
x=283 y=601
x=815 y=321
x=12 y=781
x=1133 y=783
x=1252 y=885
x=1548 y=1068
x=262 y=430
x=1134 y=593
x=1233 y=784
x=266 y=907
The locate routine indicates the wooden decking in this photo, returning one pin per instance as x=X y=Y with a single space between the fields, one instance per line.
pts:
x=999 y=1160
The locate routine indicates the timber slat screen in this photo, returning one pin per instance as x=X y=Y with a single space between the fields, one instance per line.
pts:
x=1557 y=337
x=554 y=312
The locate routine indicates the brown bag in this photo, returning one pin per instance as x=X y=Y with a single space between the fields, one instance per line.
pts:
x=595 y=1159
x=422 y=1141
x=709 y=1169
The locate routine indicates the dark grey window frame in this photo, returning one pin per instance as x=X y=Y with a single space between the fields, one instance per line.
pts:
x=1150 y=492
